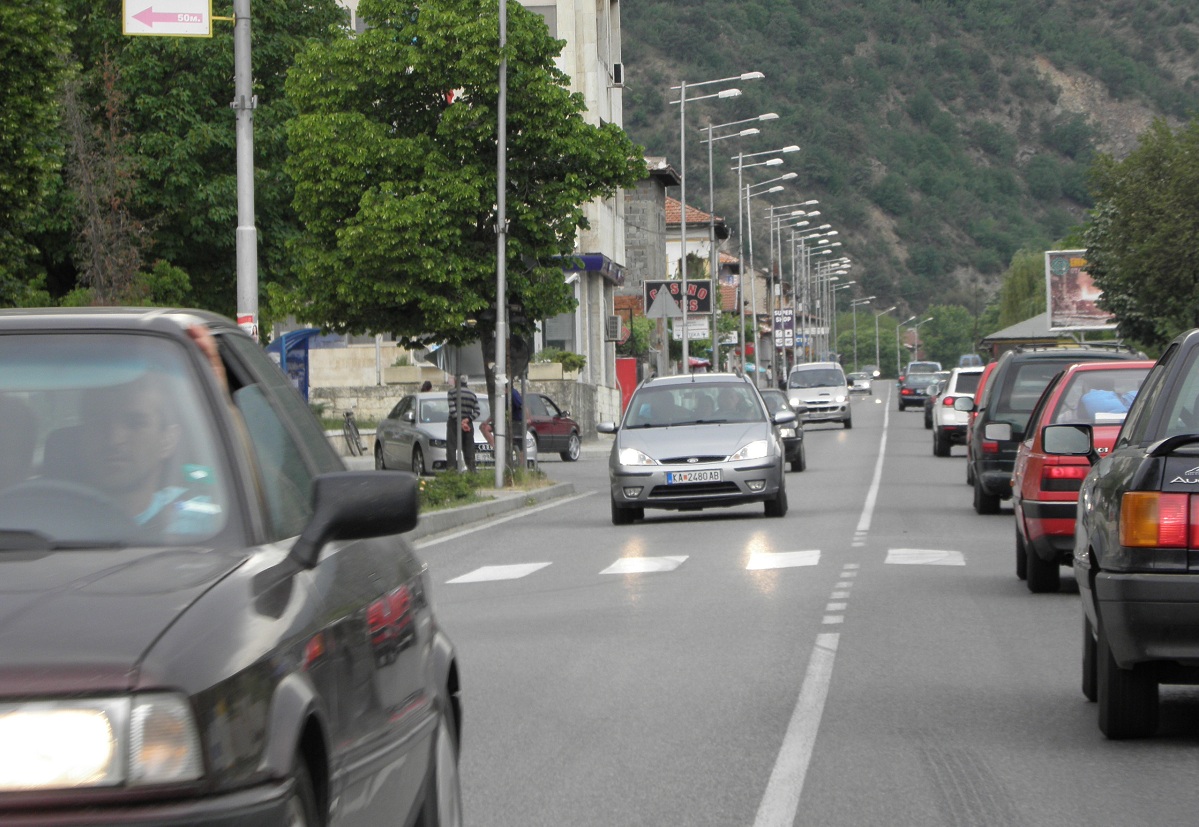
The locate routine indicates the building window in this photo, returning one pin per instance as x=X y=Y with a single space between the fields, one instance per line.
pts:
x=550 y=15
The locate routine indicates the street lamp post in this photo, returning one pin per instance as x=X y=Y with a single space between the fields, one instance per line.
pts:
x=682 y=102
x=877 y=363
x=753 y=290
x=916 y=327
x=898 y=369
x=854 y=306
x=777 y=218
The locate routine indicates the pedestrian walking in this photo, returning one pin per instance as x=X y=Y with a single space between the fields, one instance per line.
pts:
x=460 y=426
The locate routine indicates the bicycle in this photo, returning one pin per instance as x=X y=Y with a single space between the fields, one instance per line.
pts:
x=349 y=430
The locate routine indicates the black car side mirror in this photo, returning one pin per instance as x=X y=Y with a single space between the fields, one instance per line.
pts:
x=352 y=505
x=1069 y=440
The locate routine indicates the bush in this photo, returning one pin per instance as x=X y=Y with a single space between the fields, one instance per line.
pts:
x=568 y=360
x=450 y=488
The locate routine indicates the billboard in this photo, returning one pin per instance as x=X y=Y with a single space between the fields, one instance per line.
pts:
x=699 y=292
x=1071 y=294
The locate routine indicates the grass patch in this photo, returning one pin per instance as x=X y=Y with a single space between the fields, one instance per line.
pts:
x=448 y=489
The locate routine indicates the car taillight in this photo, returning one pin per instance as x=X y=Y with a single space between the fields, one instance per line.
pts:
x=1063 y=477
x=947 y=401
x=906 y=392
x=1151 y=519
x=990 y=447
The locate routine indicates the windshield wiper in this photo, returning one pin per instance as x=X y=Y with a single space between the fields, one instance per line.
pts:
x=16 y=539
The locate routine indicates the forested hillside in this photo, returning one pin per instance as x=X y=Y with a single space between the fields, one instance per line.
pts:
x=941 y=137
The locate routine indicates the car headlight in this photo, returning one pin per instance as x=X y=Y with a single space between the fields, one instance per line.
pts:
x=787 y=433
x=839 y=398
x=796 y=402
x=631 y=456
x=146 y=739
x=436 y=443
x=754 y=450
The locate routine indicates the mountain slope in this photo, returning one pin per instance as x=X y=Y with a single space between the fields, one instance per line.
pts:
x=940 y=137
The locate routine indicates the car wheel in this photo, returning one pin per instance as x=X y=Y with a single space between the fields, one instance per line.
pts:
x=985 y=503
x=969 y=472
x=801 y=461
x=1021 y=557
x=777 y=507
x=901 y=406
x=301 y=804
x=848 y=423
x=418 y=461
x=1043 y=575
x=1089 y=648
x=928 y=421
x=941 y=446
x=1128 y=698
x=380 y=465
x=622 y=516
x=573 y=447
x=443 y=794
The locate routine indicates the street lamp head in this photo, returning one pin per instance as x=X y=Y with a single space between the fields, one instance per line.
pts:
x=791 y=148
x=774 y=162
x=769 y=116
x=729 y=93
x=905 y=321
x=810 y=203
x=788 y=176
x=885 y=312
x=752 y=76
x=776 y=188
x=753 y=130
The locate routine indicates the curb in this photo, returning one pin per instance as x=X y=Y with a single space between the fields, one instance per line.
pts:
x=436 y=522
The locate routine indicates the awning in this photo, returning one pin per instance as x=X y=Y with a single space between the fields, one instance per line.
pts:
x=593 y=263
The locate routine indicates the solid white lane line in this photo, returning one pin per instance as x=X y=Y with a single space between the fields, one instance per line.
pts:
x=780 y=803
x=872 y=494
x=524 y=512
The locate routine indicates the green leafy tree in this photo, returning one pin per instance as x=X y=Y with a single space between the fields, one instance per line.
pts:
x=948 y=335
x=1022 y=293
x=32 y=68
x=1142 y=237
x=394 y=162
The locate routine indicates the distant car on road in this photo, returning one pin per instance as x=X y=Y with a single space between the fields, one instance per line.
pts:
x=790 y=432
x=693 y=442
x=821 y=388
x=552 y=427
x=860 y=382
x=412 y=435
x=932 y=396
x=949 y=424
x=914 y=382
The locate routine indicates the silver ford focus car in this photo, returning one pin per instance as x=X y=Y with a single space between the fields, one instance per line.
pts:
x=694 y=442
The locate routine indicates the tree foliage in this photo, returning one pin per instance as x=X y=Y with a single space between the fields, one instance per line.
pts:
x=1143 y=237
x=1022 y=294
x=32 y=67
x=395 y=177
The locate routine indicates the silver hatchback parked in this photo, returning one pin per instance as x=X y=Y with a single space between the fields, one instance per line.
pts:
x=694 y=442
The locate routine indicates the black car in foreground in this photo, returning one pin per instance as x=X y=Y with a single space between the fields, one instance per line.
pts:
x=1136 y=546
x=206 y=619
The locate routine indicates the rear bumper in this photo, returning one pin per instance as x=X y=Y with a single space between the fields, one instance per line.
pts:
x=1049 y=529
x=1149 y=617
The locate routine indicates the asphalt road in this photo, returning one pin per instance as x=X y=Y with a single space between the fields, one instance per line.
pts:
x=869 y=659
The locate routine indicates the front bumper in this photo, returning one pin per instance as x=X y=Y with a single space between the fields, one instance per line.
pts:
x=826 y=412
x=740 y=483
x=261 y=806
x=1149 y=617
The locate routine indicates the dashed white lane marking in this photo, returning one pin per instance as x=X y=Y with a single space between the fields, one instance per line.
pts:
x=486 y=573
x=839 y=595
x=832 y=620
x=924 y=557
x=780 y=803
x=835 y=607
x=642 y=565
x=783 y=559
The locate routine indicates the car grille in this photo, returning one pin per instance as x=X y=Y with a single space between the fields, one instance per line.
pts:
x=668 y=492
x=691 y=460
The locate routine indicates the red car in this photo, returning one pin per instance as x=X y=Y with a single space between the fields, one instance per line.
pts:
x=971 y=415
x=1045 y=487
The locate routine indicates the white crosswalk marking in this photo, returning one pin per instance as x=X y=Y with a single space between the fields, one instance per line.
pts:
x=641 y=565
x=782 y=560
x=486 y=573
x=924 y=557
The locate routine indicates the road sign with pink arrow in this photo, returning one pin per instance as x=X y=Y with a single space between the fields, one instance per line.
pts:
x=167 y=18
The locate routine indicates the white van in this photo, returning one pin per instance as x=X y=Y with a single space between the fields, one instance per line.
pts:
x=821 y=388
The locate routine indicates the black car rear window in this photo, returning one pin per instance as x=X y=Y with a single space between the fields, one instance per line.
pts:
x=967 y=382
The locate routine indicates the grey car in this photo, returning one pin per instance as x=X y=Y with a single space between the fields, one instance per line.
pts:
x=412 y=435
x=693 y=442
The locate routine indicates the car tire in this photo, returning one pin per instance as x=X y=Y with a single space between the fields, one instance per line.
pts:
x=848 y=422
x=418 y=461
x=442 y=806
x=380 y=465
x=573 y=447
x=1090 y=679
x=777 y=507
x=1044 y=576
x=941 y=446
x=1128 y=698
x=801 y=461
x=622 y=516
x=301 y=803
x=984 y=503
x=900 y=406
x=1021 y=557
x=969 y=472
x=928 y=421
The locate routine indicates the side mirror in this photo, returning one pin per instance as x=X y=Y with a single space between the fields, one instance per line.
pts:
x=963 y=403
x=1068 y=440
x=606 y=427
x=998 y=431
x=409 y=416
x=353 y=505
x=784 y=417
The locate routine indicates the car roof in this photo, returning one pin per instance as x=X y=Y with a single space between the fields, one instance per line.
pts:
x=151 y=319
x=695 y=379
x=810 y=365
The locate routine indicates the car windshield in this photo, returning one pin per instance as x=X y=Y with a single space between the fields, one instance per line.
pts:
x=106 y=442
x=692 y=404
x=923 y=367
x=775 y=401
x=815 y=378
x=1099 y=397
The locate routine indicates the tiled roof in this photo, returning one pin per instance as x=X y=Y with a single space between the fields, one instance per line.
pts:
x=728 y=298
x=694 y=216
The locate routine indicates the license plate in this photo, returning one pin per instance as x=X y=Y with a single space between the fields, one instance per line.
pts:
x=681 y=477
